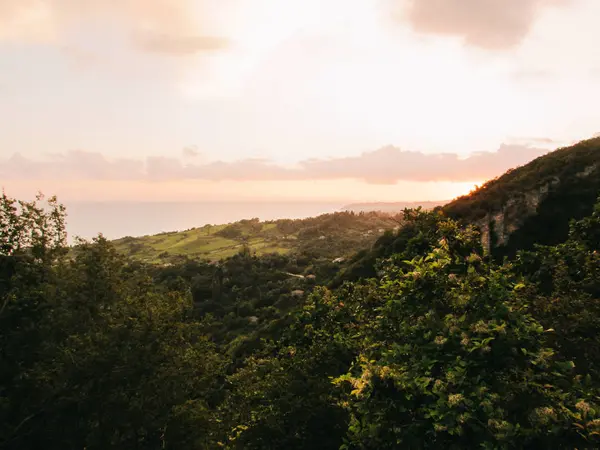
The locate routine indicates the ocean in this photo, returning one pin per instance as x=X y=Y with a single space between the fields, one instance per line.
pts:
x=119 y=219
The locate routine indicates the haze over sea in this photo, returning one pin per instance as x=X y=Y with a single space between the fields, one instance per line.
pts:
x=119 y=219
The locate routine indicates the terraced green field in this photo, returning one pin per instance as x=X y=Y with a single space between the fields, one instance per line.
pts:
x=194 y=243
x=327 y=235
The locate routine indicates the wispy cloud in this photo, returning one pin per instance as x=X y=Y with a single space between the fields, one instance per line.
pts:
x=387 y=165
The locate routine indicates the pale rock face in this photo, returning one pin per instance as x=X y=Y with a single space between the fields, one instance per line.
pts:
x=504 y=222
x=513 y=214
x=587 y=171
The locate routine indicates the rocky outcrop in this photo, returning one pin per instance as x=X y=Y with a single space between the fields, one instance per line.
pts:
x=587 y=171
x=496 y=227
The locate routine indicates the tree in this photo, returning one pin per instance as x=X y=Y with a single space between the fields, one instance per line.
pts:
x=286 y=227
x=451 y=360
x=282 y=396
x=564 y=288
x=93 y=354
x=32 y=227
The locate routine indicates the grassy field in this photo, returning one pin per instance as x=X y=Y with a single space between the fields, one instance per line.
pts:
x=328 y=234
x=200 y=243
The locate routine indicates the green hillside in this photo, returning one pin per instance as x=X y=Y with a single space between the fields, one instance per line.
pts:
x=330 y=235
x=205 y=243
x=529 y=205
x=534 y=203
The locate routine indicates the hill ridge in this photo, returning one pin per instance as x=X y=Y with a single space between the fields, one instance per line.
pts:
x=544 y=194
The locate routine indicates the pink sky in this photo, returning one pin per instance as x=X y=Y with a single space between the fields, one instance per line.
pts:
x=363 y=100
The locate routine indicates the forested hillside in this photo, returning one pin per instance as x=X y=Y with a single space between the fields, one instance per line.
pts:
x=419 y=341
x=528 y=205
x=534 y=203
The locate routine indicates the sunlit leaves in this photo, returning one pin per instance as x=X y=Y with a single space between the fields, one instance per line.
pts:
x=450 y=359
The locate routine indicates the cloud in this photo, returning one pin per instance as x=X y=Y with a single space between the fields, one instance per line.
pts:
x=536 y=142
x=158 y=26
x=160 y=168
x=75 y=164
x=387 y=165
x=391 y=164
x=489 y=24
x=191 y=151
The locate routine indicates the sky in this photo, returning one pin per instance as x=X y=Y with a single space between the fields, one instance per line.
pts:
x=349 y=100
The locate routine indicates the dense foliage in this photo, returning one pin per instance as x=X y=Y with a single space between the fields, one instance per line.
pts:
x=422 y=341
x=93 y=354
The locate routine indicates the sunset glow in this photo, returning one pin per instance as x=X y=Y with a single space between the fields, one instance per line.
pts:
x=166 y=93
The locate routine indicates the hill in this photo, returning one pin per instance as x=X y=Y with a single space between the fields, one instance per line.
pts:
x=528 y=205
x=330 y=235
x=534 y=203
